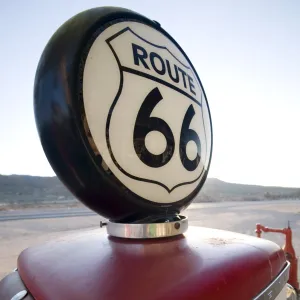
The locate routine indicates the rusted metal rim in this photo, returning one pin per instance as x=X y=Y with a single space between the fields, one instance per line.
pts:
x=148 y=231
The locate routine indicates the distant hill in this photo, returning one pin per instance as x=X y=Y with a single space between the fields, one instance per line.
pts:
x=223 y=191
x=23 y=189
x=32 y=190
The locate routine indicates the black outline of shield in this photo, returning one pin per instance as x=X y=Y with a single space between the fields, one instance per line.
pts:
x=121 y=69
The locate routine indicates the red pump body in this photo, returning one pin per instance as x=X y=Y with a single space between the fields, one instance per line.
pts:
x=202 y=263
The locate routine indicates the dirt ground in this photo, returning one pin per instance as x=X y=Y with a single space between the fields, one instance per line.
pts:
x=16 y=236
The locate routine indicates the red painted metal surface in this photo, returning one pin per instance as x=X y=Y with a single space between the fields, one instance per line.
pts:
x=287 y=248
x=201 y=264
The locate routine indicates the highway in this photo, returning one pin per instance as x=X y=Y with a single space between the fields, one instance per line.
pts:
x=48 y=214
x=236 y=216
x=233 y=216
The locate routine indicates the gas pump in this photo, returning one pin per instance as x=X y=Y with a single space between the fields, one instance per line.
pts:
x=125 y=123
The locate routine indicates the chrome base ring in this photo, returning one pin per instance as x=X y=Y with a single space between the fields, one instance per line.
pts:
x=148 y=231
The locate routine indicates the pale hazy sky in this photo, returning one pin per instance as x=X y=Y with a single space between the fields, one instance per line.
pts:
x=247 y=54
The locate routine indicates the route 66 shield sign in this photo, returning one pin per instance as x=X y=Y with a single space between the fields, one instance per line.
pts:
x=154 y=133
x=141 y=113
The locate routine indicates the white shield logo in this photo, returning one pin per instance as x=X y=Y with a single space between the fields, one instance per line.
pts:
x=154 y=133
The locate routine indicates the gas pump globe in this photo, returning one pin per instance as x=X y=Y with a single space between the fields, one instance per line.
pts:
x=125 y=124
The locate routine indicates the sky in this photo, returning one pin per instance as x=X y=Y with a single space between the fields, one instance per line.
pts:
x=247 y=54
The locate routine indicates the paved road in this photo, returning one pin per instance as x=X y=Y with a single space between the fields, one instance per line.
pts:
x=234 y=216
x=193 y=211
x=48 y=214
